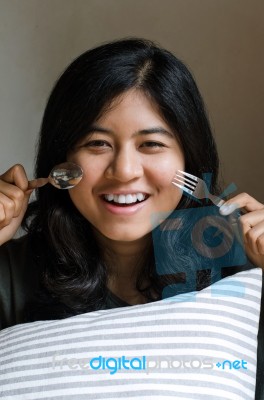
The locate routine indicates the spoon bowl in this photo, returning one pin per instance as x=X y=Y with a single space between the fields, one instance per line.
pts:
x=63 y=176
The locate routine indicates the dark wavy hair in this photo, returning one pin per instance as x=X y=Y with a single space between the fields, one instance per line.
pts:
x=73 y=273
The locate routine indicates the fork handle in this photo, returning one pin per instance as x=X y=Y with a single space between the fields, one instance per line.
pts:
x=216 y=200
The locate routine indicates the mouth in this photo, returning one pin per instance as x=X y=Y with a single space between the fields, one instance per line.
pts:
x=125 y=200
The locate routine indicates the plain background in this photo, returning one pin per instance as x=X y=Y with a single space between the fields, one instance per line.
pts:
x=221 y=41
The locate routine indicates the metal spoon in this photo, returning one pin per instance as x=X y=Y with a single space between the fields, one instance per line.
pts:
x=62 y=176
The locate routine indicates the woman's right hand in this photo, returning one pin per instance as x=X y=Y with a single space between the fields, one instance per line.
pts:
x=14 y=198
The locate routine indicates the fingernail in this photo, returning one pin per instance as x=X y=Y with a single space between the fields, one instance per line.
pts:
x=227 y=209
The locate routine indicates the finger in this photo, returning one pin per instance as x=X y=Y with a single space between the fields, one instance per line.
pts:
x=7 y=217
x=12 y=198
x=17 y=176
x=252 y=218
x=7 y=206
x=254 y=237
x=243 y=201
x=260 y=244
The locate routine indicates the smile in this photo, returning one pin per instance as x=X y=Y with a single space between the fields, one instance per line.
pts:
x=132 y=198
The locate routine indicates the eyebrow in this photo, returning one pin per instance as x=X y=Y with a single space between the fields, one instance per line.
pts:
x=156 y=129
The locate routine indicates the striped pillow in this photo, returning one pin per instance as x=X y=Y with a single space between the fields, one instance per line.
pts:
x=200 y=345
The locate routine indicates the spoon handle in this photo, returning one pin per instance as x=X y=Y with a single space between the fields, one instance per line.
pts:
x=36 y=183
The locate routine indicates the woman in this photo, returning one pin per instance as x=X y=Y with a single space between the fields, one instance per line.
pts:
x=130 y=114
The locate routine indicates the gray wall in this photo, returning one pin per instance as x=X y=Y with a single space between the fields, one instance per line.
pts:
x=220 y=40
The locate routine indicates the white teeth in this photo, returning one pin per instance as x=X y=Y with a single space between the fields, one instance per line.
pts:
x=125 y=199
x=120 y=199
x=140 y=196
x=130 y=198
x=109 y=197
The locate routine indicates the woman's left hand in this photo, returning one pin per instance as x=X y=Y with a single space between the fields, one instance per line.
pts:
x=252 y=224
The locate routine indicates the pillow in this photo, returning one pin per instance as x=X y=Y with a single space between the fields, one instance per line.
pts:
x=200 y=345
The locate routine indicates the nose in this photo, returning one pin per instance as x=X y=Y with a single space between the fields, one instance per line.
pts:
x=125 y=166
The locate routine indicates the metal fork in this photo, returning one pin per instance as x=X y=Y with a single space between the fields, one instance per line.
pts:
x=195 y=186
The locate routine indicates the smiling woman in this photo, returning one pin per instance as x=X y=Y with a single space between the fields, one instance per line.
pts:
x=130 y=114
x=129 y=161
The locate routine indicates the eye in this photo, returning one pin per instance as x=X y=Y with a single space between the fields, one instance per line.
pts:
x=96 y=143
x=153 y=144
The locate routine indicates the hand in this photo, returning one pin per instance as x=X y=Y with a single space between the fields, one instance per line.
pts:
x=252 y=224
x=14 y=198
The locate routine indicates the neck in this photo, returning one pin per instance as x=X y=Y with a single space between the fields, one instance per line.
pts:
x=124 y=261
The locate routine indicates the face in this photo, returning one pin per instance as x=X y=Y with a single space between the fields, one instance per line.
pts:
x=131 y=155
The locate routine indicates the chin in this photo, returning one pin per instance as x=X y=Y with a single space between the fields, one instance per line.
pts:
x=125 y=236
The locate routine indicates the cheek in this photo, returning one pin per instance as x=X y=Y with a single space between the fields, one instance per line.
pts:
x=92 y=170
x=82 y=194
x=164 y=172
x=87 y=161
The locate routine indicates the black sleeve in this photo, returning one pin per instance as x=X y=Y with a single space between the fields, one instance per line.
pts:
x=16 y=281
x=6 y=311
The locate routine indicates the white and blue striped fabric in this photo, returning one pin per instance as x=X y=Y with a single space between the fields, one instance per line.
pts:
x=201 y=345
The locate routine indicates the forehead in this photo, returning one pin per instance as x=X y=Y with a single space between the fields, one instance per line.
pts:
x=133 y=105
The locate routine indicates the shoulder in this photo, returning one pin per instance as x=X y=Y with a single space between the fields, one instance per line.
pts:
x=14 y=244
x=13 y=256
x=16 y=276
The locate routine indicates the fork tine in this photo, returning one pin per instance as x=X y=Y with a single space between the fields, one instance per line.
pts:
x=200 y=190
x=183 y=188
x=191 y=186
x=189 y=175
x=185 y=180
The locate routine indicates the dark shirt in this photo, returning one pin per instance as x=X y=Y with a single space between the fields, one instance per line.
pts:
x=18 y=277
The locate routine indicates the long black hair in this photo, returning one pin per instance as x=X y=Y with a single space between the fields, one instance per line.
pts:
x=72 y=271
